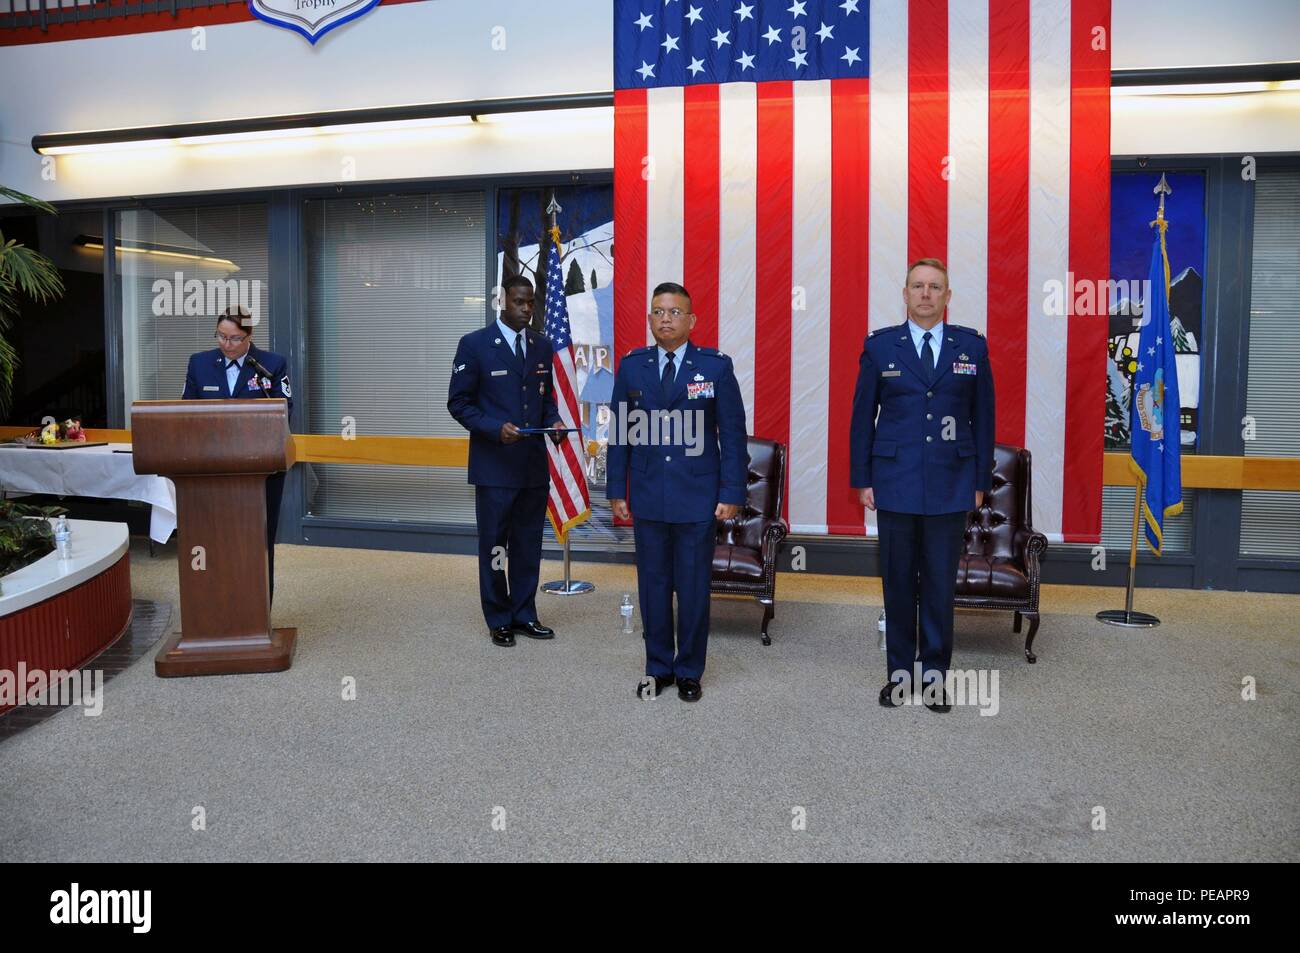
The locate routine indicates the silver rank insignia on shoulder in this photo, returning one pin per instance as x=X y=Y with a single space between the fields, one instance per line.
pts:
x=457 y=368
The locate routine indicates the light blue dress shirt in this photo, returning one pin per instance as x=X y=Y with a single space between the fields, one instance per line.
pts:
x=232 y=373
x=509 y=336
x=677 y=359
x=918 y=338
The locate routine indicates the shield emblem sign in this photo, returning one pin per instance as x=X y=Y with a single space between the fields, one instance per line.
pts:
x=311 y=18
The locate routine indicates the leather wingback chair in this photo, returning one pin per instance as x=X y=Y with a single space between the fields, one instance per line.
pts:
x=744 y=557
x=999 y=568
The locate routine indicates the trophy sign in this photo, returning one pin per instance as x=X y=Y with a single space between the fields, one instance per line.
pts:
x=312 y=18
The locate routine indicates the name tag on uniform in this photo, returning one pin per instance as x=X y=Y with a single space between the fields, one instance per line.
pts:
x=499 y=373
x=958 y=368
x=210 y=387
x=698 y=389
x=890 y=373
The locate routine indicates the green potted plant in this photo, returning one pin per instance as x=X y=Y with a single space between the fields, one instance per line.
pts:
x=23 y=271
x=25 y=535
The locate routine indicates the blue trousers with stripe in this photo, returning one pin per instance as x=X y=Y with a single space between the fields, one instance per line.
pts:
x=510 y=523
x=674 y=557
x=918 y=569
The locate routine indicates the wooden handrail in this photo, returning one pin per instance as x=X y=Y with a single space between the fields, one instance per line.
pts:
x=1199 y=471
x=332 y=448
x=1217 y=473
x=385 y=451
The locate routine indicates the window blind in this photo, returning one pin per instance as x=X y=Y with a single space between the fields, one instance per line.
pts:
x=393 y=283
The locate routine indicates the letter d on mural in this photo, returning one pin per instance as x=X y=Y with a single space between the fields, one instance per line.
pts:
x=311 y=18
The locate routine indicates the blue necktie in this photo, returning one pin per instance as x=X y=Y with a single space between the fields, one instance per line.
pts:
x=666 y=380
x=927 y=355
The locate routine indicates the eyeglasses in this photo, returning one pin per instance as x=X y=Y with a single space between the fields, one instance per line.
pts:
x=675 y=313
x=237 y=339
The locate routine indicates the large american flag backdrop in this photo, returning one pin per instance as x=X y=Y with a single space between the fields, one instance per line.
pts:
x=786 y=159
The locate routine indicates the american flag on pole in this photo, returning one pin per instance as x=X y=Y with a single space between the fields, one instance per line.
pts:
x=569 y=503
x=786 y=159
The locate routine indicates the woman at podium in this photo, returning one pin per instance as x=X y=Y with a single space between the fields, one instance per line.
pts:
x=236 y=370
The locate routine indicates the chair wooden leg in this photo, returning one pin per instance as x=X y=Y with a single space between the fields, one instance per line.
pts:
x=769 y=610
x=1015 y=624
x=1029 y=640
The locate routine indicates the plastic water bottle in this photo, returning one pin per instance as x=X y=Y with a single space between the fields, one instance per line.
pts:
x=63 y=538
x=625 y=610
x=880 y=624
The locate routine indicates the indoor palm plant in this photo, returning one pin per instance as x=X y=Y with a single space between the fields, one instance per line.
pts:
x=23 y=271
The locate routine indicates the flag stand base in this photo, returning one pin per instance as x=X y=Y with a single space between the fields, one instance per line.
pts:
x=571 y=587
x=567 y=586
x=1128 y=617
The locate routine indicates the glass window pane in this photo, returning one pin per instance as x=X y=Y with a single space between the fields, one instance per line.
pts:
x=1270 y=521
x=393 y=282
x=177 y=270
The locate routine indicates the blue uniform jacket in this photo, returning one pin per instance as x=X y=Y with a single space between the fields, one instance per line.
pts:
x=662 y=482
x=931 y=447
x=205 y=378
x=489 y=389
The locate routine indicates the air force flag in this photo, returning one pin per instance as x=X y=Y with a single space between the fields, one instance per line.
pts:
x=1155 y=424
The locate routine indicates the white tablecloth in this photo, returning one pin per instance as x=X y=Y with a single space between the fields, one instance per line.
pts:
x=90 y=471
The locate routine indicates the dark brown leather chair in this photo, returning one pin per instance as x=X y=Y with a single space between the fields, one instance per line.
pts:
x=999 y=569
x=744 y=558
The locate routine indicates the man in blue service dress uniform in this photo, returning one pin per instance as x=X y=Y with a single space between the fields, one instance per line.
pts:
x=678 y=453
x=236 y=370
x=922 y=464
x=501 y=382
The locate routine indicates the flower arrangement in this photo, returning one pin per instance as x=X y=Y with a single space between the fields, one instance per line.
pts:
x=54 y=433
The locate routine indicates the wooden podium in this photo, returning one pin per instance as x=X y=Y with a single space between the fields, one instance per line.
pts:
x=219 y=454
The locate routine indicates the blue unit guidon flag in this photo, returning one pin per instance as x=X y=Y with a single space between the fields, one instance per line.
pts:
x=1154 y=407
x=786 y=159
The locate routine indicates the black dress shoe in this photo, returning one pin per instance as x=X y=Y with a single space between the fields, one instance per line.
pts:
x=689 y=690
x=941 y=705
x=655 y=683
x=534 y=630
x=502 y=636
x=887 y=698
